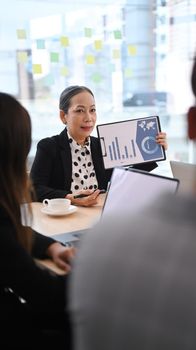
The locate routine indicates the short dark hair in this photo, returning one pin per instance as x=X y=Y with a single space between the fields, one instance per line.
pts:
x=68 y=93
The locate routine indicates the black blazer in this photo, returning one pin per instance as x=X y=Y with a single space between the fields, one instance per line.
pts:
x=51 y=171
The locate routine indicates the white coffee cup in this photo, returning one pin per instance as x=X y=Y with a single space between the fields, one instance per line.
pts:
x=57 y=204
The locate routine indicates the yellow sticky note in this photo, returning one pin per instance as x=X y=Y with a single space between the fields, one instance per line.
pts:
x=128 y=73
x=90 y=59
x=64 y=40
x=98 y=44
x=22 y=56
x=21 y=34
x=37 y=68
x=64 y=71
x=88 y=32
x=116 y=54
x=132 y=50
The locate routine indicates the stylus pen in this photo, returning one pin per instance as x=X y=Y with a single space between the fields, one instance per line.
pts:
x=82 y=195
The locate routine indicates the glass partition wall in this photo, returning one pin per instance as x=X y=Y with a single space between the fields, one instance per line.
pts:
x=136 y=56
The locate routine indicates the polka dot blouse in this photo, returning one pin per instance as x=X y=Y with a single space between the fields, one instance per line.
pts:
x=83 y=172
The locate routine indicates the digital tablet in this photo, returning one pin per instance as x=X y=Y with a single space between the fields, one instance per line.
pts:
x=130 y=142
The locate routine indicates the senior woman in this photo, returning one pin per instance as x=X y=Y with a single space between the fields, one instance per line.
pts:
x=71 y=163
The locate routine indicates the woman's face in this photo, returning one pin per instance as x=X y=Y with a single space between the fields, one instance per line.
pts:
x=81 y=116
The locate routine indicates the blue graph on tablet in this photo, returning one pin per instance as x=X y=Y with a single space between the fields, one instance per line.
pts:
x=130 y=142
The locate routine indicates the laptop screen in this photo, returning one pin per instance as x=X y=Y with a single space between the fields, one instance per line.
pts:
x=131 y=190
x=186 y=173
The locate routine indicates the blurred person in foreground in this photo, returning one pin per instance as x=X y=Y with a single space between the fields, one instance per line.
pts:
x=32 y=299
x=134 y=284
x=71 y=163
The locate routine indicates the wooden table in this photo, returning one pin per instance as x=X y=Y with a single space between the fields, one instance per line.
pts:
x=84 y=217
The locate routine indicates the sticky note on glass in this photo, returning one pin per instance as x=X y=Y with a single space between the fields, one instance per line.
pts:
x=132 y=50
x=22 y=56
x=21 y=34
x=116 y=54
x=49 y=80
x=112 y=67
x=128 y=73
x=88 y=32
x=96 y=77
x=117 y=34
x=64 y=71
x=90 y=59
x=54 y=57
x=64 y=40
x=40 y=44
x=37 y=68
x=98 y=44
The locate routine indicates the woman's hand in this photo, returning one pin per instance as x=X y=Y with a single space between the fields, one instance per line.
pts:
x=161 y=139
x=61 y=255
x=90 y=198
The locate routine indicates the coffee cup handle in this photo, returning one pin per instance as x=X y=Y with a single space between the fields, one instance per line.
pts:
x=45 y=202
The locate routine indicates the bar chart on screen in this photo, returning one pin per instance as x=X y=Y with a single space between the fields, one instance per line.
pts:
x=114 y=150
x=130 y=142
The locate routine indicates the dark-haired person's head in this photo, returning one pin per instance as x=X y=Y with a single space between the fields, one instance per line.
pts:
x=78 y=112
x=68 y=93
x=15 y=143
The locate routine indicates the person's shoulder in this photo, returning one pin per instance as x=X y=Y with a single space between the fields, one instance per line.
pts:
x=94 y=139
x=51 y=141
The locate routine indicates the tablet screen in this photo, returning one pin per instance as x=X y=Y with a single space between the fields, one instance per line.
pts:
x=130 y=142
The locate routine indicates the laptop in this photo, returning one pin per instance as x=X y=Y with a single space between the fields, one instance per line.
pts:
x=129 y=190
x=186 y=173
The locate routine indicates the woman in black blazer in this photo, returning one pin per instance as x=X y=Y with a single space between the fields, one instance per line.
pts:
x=71 y=163
x=32 y=299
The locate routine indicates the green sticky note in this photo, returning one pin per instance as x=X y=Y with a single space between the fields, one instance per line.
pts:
x=22 y=56
x=128 y=73
x=40 y=44
x=90 y=59
x=96 y=77
x=54 y=57
x=64 y=71
x=21 y=34
x=64 y=40
x=88 y=32
x=117 y=34
x=37 y=68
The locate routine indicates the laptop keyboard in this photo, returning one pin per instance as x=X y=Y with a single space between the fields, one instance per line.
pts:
x=70 y=238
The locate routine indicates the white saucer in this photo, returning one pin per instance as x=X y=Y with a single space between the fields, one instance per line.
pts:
x=48 y=211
